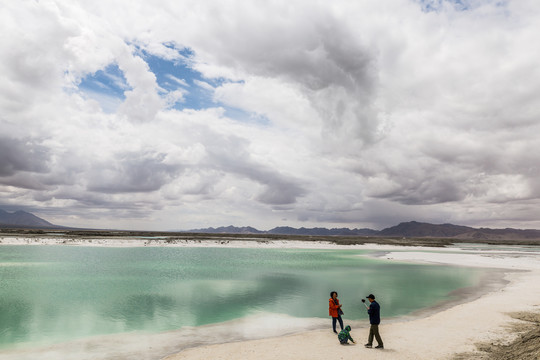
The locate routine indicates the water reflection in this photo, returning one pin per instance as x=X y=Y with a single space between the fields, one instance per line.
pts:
x=134 y=311
x=15 y=319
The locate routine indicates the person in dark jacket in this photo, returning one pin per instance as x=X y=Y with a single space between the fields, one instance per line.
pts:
x=334 y=310
x=374 y=312
x=344 y=336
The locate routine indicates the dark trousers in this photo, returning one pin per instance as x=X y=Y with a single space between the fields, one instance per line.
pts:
x=334 y=319
x=374 y=331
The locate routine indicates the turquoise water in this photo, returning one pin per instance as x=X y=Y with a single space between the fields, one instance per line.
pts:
x=52 y=294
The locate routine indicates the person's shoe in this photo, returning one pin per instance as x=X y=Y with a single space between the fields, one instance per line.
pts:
x=335 y=332
x=368 y=345
x=379 y=347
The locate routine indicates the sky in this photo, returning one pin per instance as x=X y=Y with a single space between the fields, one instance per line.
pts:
x=180 y=114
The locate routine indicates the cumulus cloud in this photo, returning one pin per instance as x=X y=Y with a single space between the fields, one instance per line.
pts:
x=339 y=78
x=304 y=114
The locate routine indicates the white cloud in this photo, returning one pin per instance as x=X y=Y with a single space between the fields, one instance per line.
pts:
x=284 y=105
x=180 y=82
x=364 y=114
x=204 y=85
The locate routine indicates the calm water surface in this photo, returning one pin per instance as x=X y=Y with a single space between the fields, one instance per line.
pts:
x=51 y=294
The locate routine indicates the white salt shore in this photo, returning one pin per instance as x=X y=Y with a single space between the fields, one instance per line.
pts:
x=439 y=335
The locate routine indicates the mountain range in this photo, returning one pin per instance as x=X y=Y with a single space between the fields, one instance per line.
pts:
x=411 y=229
x=405 y=229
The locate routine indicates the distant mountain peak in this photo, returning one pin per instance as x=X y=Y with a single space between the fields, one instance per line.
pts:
x=23 y=219
x=420 y=229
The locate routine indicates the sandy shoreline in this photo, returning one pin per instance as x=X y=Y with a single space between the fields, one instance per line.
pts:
x=438 y=333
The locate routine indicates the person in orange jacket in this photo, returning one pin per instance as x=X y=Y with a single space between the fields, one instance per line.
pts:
x=334 y=310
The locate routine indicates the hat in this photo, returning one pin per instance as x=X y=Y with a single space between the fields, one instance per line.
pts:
x=370 y=296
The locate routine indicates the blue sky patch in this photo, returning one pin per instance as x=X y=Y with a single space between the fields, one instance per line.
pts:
x=178 y=75
x=108 y=86
x=198 y=90
x=437 y=5
x=110 y=81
